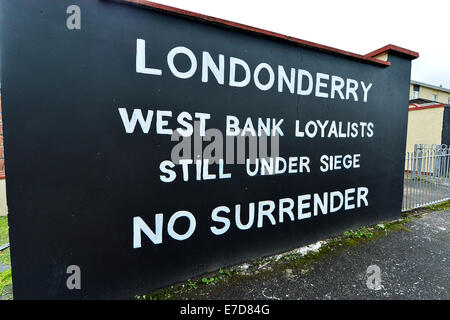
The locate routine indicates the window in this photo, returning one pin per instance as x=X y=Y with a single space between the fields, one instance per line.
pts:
x=434 y=97
x=448 y=100
x=416 y=91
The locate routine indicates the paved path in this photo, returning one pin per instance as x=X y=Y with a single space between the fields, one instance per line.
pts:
x=414 y=264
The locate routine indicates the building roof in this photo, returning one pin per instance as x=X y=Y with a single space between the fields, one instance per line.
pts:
x=393 y=48
x=421 y=103
x=430 y=86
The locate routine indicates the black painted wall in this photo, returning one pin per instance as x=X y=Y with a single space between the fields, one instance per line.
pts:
x=76 y=179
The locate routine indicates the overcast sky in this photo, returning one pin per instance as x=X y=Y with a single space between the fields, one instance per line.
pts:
x=353 y=25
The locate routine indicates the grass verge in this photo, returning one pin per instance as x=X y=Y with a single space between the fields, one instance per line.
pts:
x=5 y=260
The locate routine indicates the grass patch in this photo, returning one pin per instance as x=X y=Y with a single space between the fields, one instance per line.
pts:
x=4 y=237
x=5 y=282
x=440 y=206
x=5 y=259
x=186 y=287
x=359 y=234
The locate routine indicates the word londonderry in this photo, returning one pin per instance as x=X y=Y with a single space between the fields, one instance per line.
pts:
x=295 y=81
